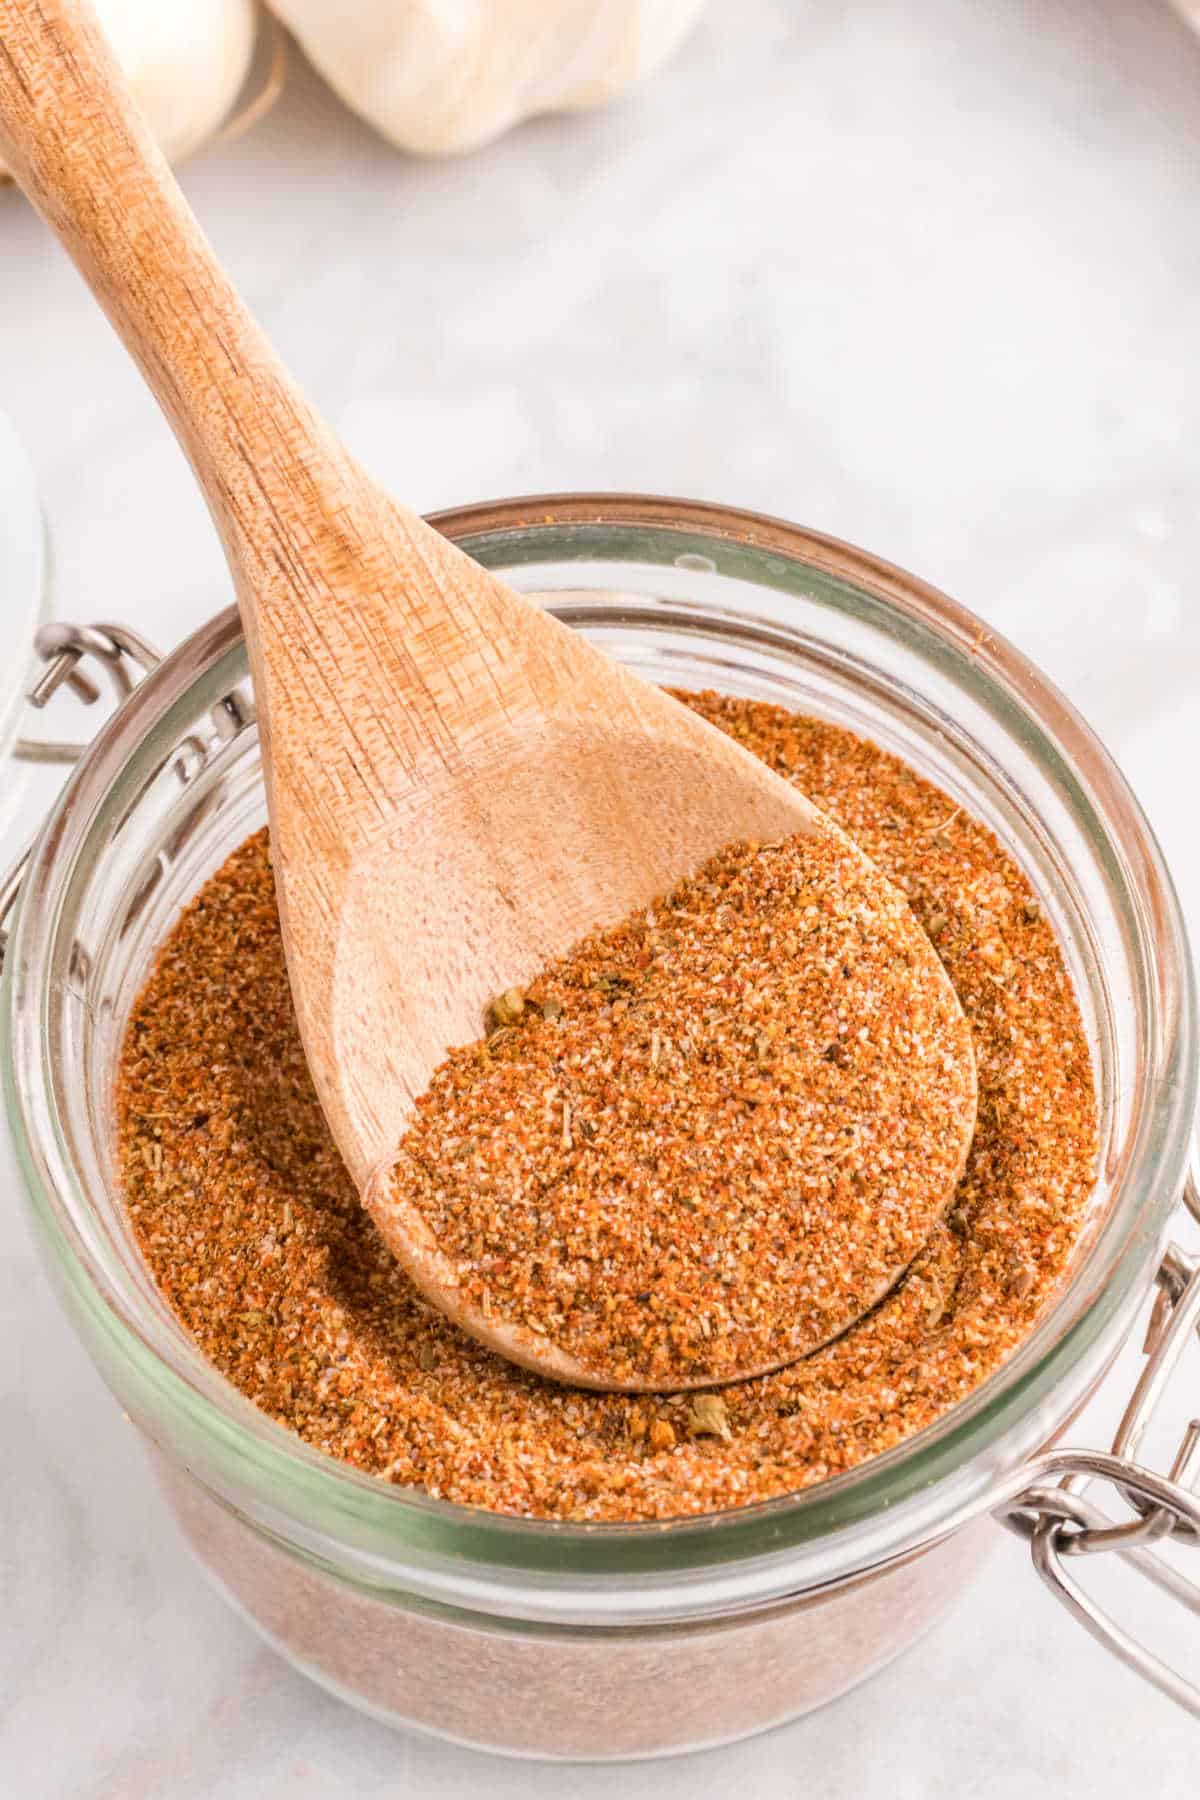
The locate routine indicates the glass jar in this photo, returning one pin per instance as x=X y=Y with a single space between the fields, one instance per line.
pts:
x=565 y=1640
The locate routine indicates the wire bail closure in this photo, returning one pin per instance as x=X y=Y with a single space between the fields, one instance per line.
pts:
x=1051 y=1512
x=72 y=656
x=65 y=651
x=69 y=653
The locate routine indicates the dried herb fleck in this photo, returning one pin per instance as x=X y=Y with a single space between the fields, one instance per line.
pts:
x=708 y=1416
x=507 y=1008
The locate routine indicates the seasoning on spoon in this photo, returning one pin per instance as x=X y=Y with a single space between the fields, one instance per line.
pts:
x=706 y=1140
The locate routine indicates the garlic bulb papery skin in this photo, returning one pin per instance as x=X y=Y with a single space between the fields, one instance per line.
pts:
x=438 y=76
x=186 y=61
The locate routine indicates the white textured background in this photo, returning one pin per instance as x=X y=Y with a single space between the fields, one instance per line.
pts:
x=927 y=277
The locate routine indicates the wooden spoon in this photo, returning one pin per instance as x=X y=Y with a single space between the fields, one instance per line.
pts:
x=459 y=787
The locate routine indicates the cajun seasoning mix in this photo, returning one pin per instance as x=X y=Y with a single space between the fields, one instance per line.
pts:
x=257 y=1238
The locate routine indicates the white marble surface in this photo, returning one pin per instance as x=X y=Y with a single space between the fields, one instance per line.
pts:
x=926 y=277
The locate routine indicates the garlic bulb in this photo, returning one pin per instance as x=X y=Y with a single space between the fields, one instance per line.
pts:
x=446 y=75
x=186 y=61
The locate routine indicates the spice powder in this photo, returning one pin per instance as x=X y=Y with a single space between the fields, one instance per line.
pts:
x=708 y=1138
x=255 y=1234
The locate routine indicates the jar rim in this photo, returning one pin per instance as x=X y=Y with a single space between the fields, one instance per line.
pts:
x=930 y=1482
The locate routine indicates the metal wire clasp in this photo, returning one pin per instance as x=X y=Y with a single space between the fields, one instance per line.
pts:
x=69 y=654
x=1050 y=1510
x=66 y=651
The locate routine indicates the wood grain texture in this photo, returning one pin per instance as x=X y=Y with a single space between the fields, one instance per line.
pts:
x=458 y=786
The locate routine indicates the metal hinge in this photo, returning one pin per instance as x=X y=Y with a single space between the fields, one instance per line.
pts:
x=72 y=656
x=1060 y=1523
x=66 y=651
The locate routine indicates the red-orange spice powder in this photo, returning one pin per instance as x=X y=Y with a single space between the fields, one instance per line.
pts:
x=256 y=1237
x=711 y=1137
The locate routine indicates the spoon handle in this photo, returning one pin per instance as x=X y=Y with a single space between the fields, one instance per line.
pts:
x=360 y=619
x=73 y=137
